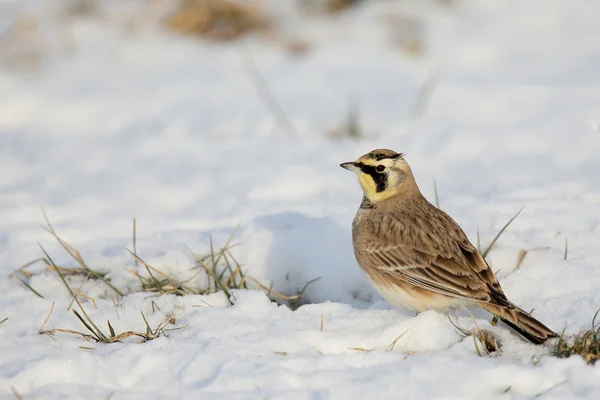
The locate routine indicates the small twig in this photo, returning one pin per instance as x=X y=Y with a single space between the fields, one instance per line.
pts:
x=566 y=248
x=491 y=246
x=4 y=320
x=435 y=190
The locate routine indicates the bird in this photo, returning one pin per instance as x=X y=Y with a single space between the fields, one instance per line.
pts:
x=416 y=256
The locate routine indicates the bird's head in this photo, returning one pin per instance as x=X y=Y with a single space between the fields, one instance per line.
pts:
x=382 y=173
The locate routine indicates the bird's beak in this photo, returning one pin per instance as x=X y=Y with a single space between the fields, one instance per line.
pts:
x=350 y=166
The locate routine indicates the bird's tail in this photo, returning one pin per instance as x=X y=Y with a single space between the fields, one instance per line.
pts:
x=522 y=322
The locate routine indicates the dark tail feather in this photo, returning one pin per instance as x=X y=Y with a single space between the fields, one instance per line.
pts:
x=523 y=323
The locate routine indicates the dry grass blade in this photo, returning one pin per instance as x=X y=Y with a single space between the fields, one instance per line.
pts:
x=523 y=253
x=3 y=321
x=167 y=285
x=491 y=246
x=490 y=345
x=293 y=299
x=566 y=249
x=586 y=343
x=393 y=344
x=58 y=271
x=96 y=331
x=21 y=269
x=15 y=393
x=212 y=274
x=74 y=253
x=521 y=257
x=360 y=349
x=270 y=291
x=322 y=323
x=47 y=318
x=79 y=292
x=435 y=190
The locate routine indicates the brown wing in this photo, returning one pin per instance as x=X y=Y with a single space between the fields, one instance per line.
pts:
x=429 y=252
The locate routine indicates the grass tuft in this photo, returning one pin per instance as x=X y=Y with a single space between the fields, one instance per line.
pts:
x=83 y=270
x=586 y=343
x=224 y=274
x=96 y=334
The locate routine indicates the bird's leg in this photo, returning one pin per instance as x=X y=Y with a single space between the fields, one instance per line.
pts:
x=494 y=321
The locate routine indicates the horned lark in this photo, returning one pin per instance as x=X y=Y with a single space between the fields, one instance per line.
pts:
x=418 y=257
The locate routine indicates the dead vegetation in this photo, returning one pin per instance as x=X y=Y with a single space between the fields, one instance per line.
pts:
x=334 y=6
x=218 y=20
x=586 y=344
x=222 y=271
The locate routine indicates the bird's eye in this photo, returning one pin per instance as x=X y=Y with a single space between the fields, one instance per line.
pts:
x=380 y=168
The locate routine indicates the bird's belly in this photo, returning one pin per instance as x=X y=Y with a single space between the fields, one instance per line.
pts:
x=417 y=299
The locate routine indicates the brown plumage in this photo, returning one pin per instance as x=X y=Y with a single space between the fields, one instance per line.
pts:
x=416 y=255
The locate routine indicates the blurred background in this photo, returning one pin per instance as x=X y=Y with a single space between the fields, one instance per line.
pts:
x=197 y=115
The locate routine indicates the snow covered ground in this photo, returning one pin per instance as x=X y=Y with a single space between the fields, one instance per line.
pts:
x=171 y=131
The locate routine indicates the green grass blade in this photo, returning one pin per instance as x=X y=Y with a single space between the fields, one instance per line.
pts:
x=110 y=328
x=29 y=287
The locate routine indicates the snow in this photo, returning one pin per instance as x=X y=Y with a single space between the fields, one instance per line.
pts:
x=171 y=131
